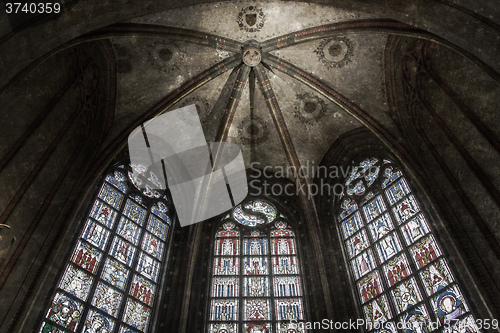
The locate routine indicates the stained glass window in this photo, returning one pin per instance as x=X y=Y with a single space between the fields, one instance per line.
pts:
x=110 y=282
x=403 y=281
x=256 y=284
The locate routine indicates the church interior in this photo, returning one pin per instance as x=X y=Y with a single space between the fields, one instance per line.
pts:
x=370 y=134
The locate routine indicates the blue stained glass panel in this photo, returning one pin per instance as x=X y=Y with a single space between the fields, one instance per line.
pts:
x=226 y=265
x=397 y=191
x=256 y=309
x=227 y=246
x=152 y=246
x=76 y=282
x=388 y=247
x=224 y=309
x=256 y=286
x=111 y=196
x=122 y=250
x=255 y=266
x=449 y=305
x=134 y=212
x=357 y=244
x=107 y=299
x=348 y=207
x=95 y=234
x=148 y=266
x=371 y=175
x=351 y=225
x=287 y=286
x=143 y=290
x=390 y=176
x=416 y=319
x=357 y=189
x=137 y=315
x=117 y=183
x=377 y=311
x=157 y=227
x=363 y=263
x=436 y=276
x=86 y=256
x=289 y=308
x=124 y=329
x=225 y=286
x=405 y=209
x=255 y=246
x=103 y=214
x=64 y=311
x=285 y=265
x=160 y=209
x=129 y=230
x=406 y=294
x=115 y=273
x=283 y=246
x=374 y=208
x=381 y=226
x=415 y=229
x=98 y=323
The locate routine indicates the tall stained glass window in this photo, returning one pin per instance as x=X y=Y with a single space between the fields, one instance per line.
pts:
x=403 y=280
x=256 y=280
x=110 y=283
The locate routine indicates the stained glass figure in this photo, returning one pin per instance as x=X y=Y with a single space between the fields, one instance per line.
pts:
x=357 y=243
x=397 y=269
x=351 y=225
x=224 y=309
x=285 y=265
x=377 y=311
x=406 y=294
x=397 y=191
x=416 y=320
x=415 y=229
x=256 y=286
x=287 y=286
x=424 y=251
x=255 y=246
x=86 y=256
x=129 y=230
x=227 y=246
x=64 y=311
x=76 y=282
x=381 y=227
x=152 y=246
x=103 y=214
x=111 y=196
x=436 y=276
x=374 y=208
x=115 y=273
x=107 y=299
x=363 y=263
x=95 y=234
x=148 y=266
x=49 y=327
x=255 y=266
x=134 y=212
x=226 y=265
x=283 y=246
x=225 y=287
x=370 y=286
x=405 y=209
x=223 y=328
x=98 y=323
x=142 y=289
x=122 y=250
x=388 y=247
x=137 y=315
x=449 y=305
x=157 y=227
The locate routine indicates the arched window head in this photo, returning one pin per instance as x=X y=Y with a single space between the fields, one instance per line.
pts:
x=256 y=283
x=403 y=281
x=110 y=282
